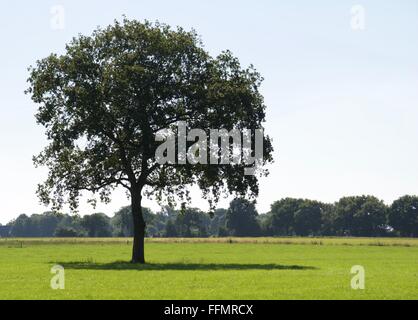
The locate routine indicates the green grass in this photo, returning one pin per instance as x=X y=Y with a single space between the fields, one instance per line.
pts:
x=265 y=268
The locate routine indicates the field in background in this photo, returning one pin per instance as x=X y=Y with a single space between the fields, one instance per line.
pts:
x=395 y=242
x=230 y=268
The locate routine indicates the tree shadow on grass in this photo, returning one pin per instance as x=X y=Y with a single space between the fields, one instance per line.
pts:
x=120 y=266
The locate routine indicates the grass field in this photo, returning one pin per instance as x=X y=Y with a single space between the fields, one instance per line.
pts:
x=263 y=268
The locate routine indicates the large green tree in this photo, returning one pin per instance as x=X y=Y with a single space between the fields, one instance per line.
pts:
x=308 y=218
x=282 y=216
x=403 y=216
x=360 y=216
x=103 y=101
x=191 y=223
x=97 y=225
x=241 y=219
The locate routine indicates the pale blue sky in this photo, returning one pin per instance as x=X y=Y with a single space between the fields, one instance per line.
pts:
x=342 y=104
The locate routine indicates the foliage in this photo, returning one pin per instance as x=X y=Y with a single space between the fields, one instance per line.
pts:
x=308 y=218
x=403 y=216
x=363 y=216
x=241 y=219
x=66 y=232
x=360 y=216
x=97 y=225
x=281 y=220
x=104 y=100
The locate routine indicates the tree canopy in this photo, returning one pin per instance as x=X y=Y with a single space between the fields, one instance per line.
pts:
x=104 y=100
x=403 y=216
x=241 y=219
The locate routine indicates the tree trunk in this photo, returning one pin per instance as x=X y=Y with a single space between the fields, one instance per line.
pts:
x=138 y=255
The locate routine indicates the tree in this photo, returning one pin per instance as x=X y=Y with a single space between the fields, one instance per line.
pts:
x=46 y=223
x=217 y=222
x=190 y=223
x=241 y=219
x=403 y=216
x=103 y=102
x=122 y=223
x=328 y=218
x=157 y=225
x=223 y=232
x=66 y=232
x=170 y=230
x=282 y=216
x=308 y=218
x=360 y=216
x=4 y=231
x=97 y=225
x=23 y=226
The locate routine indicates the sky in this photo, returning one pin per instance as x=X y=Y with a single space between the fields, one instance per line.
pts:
x=341 y=89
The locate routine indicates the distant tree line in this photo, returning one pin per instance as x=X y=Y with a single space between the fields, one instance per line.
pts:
x=362 y=216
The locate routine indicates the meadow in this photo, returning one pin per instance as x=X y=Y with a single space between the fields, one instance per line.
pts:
x=229 y=268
